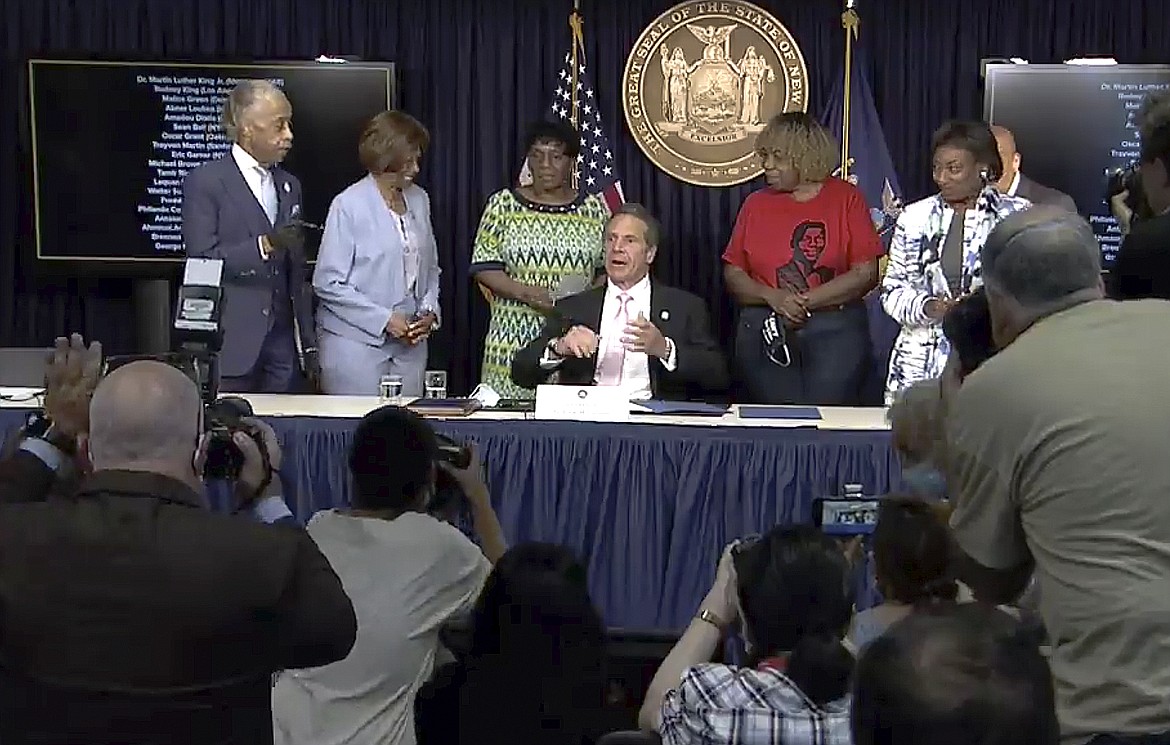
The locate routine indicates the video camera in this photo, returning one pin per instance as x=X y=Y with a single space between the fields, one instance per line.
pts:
x=846 y=516
x=197 y=335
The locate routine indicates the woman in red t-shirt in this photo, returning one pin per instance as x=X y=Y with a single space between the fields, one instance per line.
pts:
x=803 y=254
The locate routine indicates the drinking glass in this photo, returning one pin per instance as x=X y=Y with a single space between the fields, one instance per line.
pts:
x=435 y=384
x=390 y=389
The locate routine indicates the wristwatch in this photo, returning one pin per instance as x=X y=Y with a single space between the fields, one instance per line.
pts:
x=39 y=427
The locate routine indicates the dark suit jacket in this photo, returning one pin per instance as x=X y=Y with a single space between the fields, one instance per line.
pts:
x=1042 y=195
x=701 y=369
x=1142 y=267
x=131 y=614
x=223 y=220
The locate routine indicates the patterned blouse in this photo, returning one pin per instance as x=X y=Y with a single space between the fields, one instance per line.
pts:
x=724 y=705
x=914 y=275
x=536 y=244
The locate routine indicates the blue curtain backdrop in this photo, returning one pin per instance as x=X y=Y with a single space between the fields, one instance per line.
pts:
x=477 y=71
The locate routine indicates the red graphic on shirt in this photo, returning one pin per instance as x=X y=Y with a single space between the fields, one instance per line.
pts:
x=809 y=240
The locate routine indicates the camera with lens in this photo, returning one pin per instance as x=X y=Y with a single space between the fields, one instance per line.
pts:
x=1122 y=178
x=448 y=500
x=1127 y=179
x=223 y=418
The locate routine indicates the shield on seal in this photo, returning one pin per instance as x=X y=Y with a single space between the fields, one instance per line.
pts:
x=715 y=95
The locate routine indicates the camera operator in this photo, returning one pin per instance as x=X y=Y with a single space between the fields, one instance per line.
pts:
x=132 y=613
x=1142 y=268
x=407 y=572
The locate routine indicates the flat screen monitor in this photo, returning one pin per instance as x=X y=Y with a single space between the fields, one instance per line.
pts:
x=112 y=141
x=1074 y=124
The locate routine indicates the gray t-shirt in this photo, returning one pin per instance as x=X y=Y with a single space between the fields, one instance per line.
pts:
x=406 y=578
x=1060 y=449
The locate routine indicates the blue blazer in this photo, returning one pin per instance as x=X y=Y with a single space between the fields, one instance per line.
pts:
x=360 y=279
x=223 y=220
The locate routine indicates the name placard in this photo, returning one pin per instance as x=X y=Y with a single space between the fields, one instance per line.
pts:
x=585 y=403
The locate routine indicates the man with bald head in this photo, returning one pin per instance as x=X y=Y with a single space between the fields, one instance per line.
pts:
x=1058 y=465
x=131 y=612
x=1014 y=183
x=245 y=209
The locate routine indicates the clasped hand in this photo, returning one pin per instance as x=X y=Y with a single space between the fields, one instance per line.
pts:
x=789 y=305
x=410 y=332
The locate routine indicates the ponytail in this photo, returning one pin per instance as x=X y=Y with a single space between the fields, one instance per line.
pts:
x=820 y=666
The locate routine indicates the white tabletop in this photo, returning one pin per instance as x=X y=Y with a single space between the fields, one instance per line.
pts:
x=355 y=407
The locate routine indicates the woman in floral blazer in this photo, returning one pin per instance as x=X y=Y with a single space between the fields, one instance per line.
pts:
x=934 y=257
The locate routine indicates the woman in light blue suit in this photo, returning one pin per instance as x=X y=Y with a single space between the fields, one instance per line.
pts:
x=377 y=273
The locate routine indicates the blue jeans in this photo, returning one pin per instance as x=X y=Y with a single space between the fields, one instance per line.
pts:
x=830 y=359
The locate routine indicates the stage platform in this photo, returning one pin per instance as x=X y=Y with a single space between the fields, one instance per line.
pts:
x=648 y=504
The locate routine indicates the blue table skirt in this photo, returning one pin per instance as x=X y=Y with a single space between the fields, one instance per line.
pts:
x=648 y=507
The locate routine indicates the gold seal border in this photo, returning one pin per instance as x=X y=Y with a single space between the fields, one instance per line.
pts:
x=646 y=136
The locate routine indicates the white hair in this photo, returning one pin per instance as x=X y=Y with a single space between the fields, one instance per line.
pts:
x=1041 y=256
x=242 y=100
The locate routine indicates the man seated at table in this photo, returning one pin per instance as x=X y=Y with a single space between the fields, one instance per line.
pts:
x=652 y=340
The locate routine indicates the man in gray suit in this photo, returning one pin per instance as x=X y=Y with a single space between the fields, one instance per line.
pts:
x=243 y=208
x=1015 y=184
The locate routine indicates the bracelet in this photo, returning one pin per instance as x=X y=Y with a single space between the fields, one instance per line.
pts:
x=707 y=616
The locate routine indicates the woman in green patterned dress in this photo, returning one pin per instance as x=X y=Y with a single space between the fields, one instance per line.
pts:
x=530 y=240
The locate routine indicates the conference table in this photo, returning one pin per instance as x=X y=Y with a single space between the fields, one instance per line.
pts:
x=647 y=504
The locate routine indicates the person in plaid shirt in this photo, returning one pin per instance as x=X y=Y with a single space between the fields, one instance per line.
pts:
x=790 y=589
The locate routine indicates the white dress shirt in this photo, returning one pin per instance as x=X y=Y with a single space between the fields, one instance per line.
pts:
x=252 y=172
x=409 y=233
x=635 y=378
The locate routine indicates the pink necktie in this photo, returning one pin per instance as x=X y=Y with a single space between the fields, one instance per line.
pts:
x=609 y=368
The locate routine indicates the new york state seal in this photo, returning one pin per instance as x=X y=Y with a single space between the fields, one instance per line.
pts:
x=702 y=81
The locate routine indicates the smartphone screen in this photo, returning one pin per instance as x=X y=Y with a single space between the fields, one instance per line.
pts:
x=845 y=517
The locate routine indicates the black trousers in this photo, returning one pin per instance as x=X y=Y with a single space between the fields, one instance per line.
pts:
x=830 y=358
x=1162 y=739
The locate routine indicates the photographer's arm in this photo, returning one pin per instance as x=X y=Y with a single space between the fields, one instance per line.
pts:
x=258 y=488
x=697 y=645
x=485 y=523
x=28 y=473
x=35 y=464
x=483 y=517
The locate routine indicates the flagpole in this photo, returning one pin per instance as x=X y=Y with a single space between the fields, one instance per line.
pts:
x=577 y=26
x=850 y=22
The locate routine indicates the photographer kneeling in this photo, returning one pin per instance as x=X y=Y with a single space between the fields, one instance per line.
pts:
x=407 y=572
x=132 y=613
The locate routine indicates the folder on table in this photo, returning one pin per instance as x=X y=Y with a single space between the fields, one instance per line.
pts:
x=444 y=406
x=779 y=412
x=677 y=408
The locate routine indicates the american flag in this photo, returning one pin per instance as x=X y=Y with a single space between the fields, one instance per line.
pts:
x=596 y=171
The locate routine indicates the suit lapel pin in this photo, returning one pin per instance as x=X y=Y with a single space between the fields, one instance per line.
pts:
x=664 y=315
x=286 y=188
